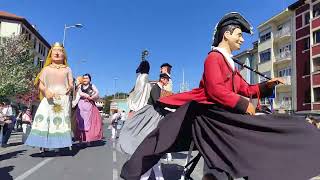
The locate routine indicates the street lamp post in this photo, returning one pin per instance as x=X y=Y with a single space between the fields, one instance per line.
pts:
x=67 y=27
x=115 y=87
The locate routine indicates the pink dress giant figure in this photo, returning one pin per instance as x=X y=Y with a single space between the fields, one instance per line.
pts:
x=89 y=123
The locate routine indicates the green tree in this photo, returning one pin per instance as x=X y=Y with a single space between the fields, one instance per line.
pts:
x=17 y=70
x=107 y=102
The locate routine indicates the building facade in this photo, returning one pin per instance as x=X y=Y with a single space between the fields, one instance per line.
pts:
x=275 y=58
x=307 y=42
x=11 y=24
x=249 y=57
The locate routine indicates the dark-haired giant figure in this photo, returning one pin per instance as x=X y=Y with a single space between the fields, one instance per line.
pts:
x=89 y=123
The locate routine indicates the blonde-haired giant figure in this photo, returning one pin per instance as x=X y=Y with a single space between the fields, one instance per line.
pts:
x=51 y=126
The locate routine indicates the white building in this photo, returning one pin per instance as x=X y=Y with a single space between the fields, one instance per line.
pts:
x=11 y=24
x=276 y=57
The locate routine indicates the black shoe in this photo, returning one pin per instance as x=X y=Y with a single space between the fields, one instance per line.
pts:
x=4 y=145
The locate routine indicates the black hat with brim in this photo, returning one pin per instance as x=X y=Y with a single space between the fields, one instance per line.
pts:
x=232 y=18
x=165 y=64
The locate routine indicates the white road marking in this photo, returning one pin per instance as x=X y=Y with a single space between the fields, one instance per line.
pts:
x=32 y=170
x=115 y=174
x=114 y=158
x=114 y=155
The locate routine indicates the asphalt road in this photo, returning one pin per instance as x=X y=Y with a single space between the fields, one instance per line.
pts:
x=100 y=161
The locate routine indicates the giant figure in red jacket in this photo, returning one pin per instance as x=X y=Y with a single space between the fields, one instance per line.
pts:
x=220 y=120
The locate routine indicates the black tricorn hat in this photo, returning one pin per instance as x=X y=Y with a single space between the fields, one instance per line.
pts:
x=232 y=18
x=165 y=64
x=164 y=75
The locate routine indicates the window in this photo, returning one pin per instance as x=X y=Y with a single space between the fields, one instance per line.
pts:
x=265 y=56
x=34 y=43
x=43 y=50
x=39 y=47
x=307 y=96
x=284 y=52
x=306 y=18
x=265 y=37
x=306 y=43
x=40 y=62
x=284 y=72
x=316 y=37
x=316 y=10
x=316 y=92
x=316 y=64
x=285 y=49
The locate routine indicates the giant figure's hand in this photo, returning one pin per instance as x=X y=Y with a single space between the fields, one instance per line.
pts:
x=275 y=81
x=251 y=110
x=49 y=94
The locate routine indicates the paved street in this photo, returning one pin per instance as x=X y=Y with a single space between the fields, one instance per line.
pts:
x=99 y=161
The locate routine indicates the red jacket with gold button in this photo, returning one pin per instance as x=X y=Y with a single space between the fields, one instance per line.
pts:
x=220 y=85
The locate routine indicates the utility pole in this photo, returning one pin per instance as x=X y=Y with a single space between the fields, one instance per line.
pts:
x=115 y=87
x=183 y=86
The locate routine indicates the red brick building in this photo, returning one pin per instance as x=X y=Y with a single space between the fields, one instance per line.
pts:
x=306 y=51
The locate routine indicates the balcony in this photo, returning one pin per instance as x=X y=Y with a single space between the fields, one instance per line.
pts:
x=283 y=57
x=285 y=104
x=286 y=87
x=285 y=32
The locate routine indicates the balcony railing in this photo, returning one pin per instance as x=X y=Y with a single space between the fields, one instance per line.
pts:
x=285 y=104
x=283 y=55
x=285 y=31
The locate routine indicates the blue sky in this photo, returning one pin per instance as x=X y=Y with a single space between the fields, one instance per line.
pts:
x=116 y=31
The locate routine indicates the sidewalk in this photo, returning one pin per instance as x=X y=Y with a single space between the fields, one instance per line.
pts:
x=15 y=141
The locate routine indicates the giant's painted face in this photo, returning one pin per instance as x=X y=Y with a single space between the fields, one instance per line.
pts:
x=235 y=39
x=57 y=54
x=165 y=69
x=165 y=81
x=85 y=80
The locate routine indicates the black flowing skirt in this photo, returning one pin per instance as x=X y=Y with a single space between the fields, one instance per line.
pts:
x=263 y=147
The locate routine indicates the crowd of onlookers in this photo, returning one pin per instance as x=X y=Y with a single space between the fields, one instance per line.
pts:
x=12 y=119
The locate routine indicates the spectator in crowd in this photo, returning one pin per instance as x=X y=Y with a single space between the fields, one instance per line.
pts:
x=114 y=122
x=9 y=120
x=26 y=124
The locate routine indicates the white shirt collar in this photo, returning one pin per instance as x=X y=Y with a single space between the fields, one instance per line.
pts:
x=226 y=55
x=161 y=87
